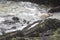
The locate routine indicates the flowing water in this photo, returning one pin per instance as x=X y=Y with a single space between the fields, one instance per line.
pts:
x=27 y=13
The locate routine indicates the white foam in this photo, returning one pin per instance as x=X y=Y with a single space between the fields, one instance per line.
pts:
x=24 y=10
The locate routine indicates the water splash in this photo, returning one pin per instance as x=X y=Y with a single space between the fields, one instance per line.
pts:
x=27 y=13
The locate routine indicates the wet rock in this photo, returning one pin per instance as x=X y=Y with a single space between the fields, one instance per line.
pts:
x=44 y=2
x=24 y=21
x=54 y=10
x=22 y=25
x=45 y=27
x=13 y=27
x=28 y=22
x=8 y=22
x=16 y=19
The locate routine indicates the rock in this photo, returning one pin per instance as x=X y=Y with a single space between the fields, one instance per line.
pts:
x=54 y=10
x=8 y=22
x=28 y=22
x=24 y=21
x=14 y=27
x=46 y=28
x=16 y=19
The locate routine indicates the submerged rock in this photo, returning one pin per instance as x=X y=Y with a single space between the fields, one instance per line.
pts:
x=16 y=19
x=8 y=22
x=24 y=21
x=13 y=27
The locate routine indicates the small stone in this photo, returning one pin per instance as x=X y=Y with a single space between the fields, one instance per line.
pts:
x=22 y=25
x=16 y=19
x=28 y=22
x=24 y=21
x=8 y=22
x=14 y=27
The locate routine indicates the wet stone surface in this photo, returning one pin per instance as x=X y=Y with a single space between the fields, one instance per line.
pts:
x=16 y=19
x=8 y=22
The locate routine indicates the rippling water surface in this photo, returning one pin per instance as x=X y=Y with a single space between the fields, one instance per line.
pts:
x=27 y=13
